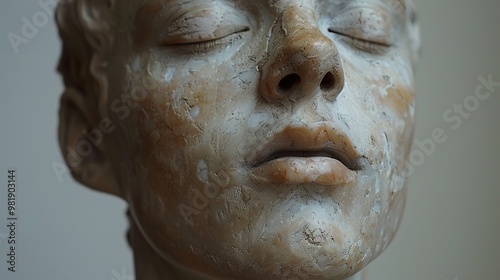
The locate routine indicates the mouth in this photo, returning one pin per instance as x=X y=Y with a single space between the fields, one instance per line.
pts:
x=303 y=155
x=311 y=154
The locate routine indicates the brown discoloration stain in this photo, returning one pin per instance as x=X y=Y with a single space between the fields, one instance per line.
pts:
x=399 y=99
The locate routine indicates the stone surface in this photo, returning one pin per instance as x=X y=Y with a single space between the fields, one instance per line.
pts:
x=264 y=139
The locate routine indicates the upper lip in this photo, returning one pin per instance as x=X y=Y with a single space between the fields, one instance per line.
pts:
x=307 y=141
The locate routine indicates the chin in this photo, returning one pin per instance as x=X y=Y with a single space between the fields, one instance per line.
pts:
x=294 y=239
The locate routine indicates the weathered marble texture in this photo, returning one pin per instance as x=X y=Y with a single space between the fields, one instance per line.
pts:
x=252 y=139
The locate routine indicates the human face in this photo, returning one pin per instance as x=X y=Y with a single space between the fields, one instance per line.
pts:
x=271 y=136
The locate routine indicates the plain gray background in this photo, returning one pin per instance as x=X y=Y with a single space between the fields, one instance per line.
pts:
x=451 y=226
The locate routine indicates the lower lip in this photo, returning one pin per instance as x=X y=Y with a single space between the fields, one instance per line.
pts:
x=324 y=171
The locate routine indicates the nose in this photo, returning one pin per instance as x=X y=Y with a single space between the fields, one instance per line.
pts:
x=302 y=61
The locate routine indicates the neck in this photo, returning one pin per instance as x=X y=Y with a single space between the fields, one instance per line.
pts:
x=149 y=265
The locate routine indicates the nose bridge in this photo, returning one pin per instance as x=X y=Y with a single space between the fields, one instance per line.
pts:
x=298 y=18
x=302 y=59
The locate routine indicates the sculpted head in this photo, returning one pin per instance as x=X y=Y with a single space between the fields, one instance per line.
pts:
x=251 y=139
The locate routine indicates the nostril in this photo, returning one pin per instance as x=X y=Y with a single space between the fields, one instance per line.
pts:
x=328 y=81
x=288 y=82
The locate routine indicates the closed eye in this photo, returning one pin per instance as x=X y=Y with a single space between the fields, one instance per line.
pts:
x=202 y=45
x=363 y=44
x=368 y=28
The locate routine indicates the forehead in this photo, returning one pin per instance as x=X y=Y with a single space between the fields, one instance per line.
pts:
x=147 y=10
x=155 y=5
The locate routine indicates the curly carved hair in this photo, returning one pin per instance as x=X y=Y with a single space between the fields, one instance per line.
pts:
x=86 y=33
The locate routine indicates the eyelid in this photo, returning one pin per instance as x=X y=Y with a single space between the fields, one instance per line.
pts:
x=201 y=22
x=362 y=44
x=364 y=24
x=207 y=46
x=381 y=43
x=200 y=36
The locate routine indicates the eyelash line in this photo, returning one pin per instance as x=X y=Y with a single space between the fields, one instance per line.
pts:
x=362 y=44
x=206 y=46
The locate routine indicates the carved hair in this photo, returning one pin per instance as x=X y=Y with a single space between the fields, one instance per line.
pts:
x=85 y=28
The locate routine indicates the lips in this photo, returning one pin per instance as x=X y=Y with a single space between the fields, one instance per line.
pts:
x=305 y=155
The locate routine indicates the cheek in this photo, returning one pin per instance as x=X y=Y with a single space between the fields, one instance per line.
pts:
x=386 y=108
x=396 y=120
x=386 y=101
x=397 y=103
x=395 y=95
x=392 y=138
x=185 y=138
x=162 y=132
x=399 y=100
x=183 y=130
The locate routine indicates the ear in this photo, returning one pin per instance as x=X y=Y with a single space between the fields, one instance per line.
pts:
x=82 y=143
